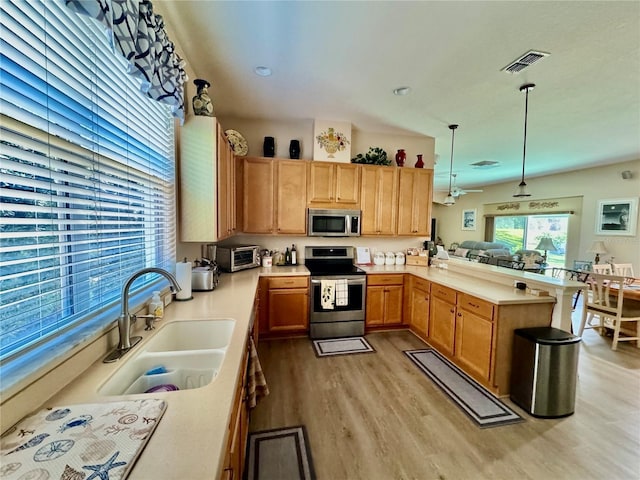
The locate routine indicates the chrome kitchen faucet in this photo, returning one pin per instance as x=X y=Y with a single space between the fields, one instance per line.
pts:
x=124 y=321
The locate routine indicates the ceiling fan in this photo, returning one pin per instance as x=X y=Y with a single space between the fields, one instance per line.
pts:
x=457 y=191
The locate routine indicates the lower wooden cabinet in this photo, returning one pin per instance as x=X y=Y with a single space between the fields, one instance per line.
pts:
x=238 y=429
x=474 y=336
x=284 y=305
x=418 y=306
x=442 y=319
x=384 y=300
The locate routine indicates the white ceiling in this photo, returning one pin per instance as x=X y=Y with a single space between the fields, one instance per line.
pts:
x=340 y=60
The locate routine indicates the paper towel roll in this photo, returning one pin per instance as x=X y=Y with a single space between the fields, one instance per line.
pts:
x=183 y=276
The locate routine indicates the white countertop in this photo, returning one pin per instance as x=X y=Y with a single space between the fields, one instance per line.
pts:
x=190 y=441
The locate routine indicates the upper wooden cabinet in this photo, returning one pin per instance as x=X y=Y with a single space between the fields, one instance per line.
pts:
x=271 y=196
x=333 y=185
x=378 y=200
x=414 y=201
x=207 y=182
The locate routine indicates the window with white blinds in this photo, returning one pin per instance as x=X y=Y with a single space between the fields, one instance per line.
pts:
x=86 y=176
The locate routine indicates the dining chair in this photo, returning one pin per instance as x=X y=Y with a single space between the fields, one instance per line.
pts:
x=568 y=274
x=603 y=269
x=623 y=269
x=607 y=304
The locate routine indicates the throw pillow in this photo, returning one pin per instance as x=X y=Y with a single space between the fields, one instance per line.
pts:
x=531 y=260
x=461 y=252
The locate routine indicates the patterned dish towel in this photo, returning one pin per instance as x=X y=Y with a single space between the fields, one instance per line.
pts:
x=327 y=294
x=342 y=293
x=256 y=384
x=101 y=440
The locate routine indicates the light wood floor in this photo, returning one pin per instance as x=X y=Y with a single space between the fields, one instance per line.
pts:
x=376 y=416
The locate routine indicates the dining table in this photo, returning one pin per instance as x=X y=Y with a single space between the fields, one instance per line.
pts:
x=631 y=288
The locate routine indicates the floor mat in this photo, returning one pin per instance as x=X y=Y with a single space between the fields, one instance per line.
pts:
x=282 y=453
x=479 y=404
x=341 y=346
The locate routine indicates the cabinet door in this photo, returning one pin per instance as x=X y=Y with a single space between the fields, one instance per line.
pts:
x=419 y=314
x=291 y=215
x=414 y=202
x=226 y=188
x=474 y=336
x=375 y=306
x=288 y=310
x=442 y=325
x=347 y=185
x=378 y=200
x=320 y=184
x=393 y=296
x=258 y=208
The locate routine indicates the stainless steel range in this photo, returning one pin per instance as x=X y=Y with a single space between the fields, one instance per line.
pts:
x=338 y=292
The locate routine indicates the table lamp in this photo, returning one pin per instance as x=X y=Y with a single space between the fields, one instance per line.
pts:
x=597 y=247
x=546 y=244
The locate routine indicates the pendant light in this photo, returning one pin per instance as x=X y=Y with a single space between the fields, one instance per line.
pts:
x=450 y=200
x=522 y=188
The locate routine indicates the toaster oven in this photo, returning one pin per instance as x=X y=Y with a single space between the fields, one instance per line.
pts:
x=238 y=257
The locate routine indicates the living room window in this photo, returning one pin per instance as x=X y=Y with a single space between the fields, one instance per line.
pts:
x=87 y=181
x=523 y=232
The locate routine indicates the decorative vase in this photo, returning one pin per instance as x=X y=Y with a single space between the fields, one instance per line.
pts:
x=401 y=156
x=419 y=163
x=269 y=147
x=294 y=149
x=202 y=104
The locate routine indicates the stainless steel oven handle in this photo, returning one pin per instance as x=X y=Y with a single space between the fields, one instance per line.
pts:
x=359 y=281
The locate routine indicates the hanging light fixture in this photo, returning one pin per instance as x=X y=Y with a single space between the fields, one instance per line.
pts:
x=522 y=188
x=450 y=200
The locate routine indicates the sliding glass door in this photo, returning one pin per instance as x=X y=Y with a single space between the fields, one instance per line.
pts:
x=524 y=232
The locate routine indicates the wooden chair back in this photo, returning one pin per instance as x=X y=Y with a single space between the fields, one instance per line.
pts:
x=603 y=268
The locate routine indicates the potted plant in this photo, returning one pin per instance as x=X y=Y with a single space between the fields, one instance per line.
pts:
x=375 y=156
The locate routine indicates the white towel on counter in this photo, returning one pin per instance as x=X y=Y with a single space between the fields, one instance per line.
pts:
x=342 y=293
x=327 y=294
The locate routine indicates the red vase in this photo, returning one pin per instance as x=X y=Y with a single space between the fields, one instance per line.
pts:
x=401 y=156
x=419 y=163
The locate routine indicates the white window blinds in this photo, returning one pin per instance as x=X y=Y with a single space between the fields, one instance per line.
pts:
x=86 y=175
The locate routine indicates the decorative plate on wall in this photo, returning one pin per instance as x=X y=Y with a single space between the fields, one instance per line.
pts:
x=237 y=141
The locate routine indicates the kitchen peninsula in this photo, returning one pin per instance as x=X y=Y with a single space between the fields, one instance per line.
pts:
x=198 y=420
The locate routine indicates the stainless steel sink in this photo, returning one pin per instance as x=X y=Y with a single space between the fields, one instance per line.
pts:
x=190 y=352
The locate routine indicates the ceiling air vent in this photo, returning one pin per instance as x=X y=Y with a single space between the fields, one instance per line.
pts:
x=484 y=164
x=529 y=58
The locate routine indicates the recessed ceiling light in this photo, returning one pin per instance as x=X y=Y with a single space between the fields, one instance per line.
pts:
x=401 y=90
x=262 y=71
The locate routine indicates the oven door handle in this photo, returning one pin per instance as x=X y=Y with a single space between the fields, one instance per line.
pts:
x=349 y=281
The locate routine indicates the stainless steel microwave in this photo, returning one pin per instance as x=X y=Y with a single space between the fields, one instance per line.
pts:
x=333 y=223
x=239 y=257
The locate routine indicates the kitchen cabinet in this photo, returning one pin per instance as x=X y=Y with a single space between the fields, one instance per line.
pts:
x=384 y=300
x=270 y=190
x=442 y=318
x=414 y=201
x=207 y=182
x=284 y=305
x=238 y=429
x=379 y=200
x=333 y=185
x=474 y=335
x=418 y=306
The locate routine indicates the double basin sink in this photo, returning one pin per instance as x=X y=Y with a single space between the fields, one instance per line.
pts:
x=182 y=355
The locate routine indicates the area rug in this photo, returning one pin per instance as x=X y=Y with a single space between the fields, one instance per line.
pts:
x=341 y=346
x=282 y=453
x=483 y=408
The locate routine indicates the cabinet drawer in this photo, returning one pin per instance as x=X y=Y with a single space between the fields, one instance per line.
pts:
x=288 y=282
x=475 y=305
x=444 y=293
x=385 y=279
x=421 y=284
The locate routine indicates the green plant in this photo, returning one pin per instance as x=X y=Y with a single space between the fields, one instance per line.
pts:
x=375 y=156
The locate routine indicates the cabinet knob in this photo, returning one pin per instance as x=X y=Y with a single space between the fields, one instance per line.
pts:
x=452 y=310
x=459 y=314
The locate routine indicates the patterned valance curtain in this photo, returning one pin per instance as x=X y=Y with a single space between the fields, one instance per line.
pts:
x=139 y=35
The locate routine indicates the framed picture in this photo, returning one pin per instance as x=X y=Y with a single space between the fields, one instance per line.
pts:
x=617 y=217
x=469 y=219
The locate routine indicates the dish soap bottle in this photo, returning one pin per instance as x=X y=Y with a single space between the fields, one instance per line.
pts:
x=156 y=305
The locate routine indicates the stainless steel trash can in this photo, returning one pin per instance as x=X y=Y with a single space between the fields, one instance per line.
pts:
x=544 y=371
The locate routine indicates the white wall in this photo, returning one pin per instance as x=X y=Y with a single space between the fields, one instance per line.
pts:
x=593 y=184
